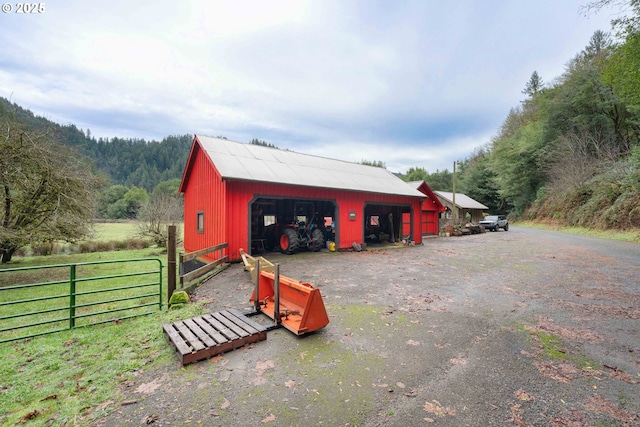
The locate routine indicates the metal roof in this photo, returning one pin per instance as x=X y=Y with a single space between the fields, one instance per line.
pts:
x=250 y=162
x=463 y=201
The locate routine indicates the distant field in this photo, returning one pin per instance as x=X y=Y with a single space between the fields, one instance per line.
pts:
x=116 y=231
x=109 y=231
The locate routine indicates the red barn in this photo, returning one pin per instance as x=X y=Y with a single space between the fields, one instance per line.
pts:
x=431 y=208
x=243 y=194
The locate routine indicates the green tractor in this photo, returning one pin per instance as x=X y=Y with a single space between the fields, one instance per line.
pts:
x=302 y=232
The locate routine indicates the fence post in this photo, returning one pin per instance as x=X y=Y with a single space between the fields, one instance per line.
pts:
x=72 y=296
x=171 y=262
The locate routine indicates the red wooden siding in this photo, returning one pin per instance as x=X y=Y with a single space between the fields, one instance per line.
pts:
x=406 y=225
x=430 y=222
x=431 y=207
x=205 y=193
x=241 y=193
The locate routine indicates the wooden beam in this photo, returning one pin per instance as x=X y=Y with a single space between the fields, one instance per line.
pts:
x=196 y=254
x=202 y=270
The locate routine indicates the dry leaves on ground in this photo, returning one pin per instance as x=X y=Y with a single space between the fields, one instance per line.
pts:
x=602 y=405
x=434 y=407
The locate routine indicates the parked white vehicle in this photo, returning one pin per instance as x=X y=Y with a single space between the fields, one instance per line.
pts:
x=495 y=223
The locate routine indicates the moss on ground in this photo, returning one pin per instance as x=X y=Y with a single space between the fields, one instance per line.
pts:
x=326 y=379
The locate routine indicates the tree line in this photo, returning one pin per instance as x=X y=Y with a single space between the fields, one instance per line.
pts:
x=570 y=152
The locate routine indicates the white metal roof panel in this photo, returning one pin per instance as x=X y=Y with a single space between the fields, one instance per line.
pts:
x=463 y=201
x=236 y=160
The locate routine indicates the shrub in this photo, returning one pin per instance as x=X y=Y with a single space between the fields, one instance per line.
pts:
x=137 y=243
x=178 y=299
x=104 y=246
x=47 y=248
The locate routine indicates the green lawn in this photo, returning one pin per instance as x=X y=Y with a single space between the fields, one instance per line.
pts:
x=113 y=285
x=70 y=377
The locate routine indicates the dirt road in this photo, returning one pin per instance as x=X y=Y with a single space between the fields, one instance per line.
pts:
x=517 y=328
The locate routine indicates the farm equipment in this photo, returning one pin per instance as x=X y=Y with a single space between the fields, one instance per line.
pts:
x=291 y=303
x=301 y=233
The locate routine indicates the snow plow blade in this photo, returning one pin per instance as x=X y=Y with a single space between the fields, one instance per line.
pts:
x=301 y=309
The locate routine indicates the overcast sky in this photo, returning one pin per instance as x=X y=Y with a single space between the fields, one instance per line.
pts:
x=410 y=83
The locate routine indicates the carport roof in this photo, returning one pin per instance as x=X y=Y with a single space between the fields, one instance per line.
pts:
x=463 y=201
x=249 y=162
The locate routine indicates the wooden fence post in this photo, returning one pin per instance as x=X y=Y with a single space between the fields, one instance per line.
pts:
x=171 y=261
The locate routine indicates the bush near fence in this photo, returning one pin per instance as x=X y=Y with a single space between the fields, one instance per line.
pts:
x=89 y=246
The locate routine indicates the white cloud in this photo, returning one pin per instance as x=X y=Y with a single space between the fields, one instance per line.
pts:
x=417 y=83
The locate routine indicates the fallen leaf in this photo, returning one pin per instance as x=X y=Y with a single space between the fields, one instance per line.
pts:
x=31 y=415
x=412 y=393
x=436 y=408
x=149 y=388
x=104 y=405
x=259 y=381
x=263 y=366
x=150 y=419
x=458 y=361
x=400 y=385
x=225 y=404
x=523 y=395
x=412 y=342
x=290 y=383
x=50 y=397
x=270 y=418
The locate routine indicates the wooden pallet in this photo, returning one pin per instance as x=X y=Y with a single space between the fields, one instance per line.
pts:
x=211 y=334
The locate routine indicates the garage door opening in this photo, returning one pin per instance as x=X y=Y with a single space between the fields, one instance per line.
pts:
x=384 y=224
x=291 y=225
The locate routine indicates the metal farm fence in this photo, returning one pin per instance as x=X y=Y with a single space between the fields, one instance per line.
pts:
x=76 y=295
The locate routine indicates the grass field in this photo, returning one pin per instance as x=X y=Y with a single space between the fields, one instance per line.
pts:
x=107 y=231
x=72 y=376
x=626 y=236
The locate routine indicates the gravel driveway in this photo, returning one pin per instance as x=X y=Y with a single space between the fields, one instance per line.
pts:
x=517 y=328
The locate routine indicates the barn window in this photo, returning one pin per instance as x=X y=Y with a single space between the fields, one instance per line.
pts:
x=200 y=222
x=269 y=219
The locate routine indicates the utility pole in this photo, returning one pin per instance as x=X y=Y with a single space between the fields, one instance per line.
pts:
x=455 y=208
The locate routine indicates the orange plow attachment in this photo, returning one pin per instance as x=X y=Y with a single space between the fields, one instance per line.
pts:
x=296 y=305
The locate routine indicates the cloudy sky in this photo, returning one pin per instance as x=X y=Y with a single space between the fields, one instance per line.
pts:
x=410 y=83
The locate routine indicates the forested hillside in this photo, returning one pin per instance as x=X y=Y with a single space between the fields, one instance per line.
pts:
x=128 y=162
x=570 y=153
